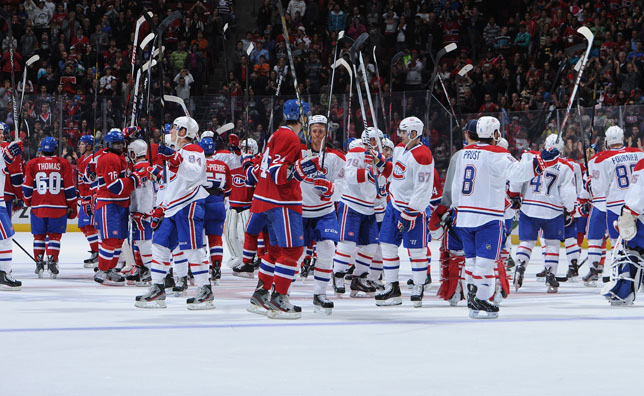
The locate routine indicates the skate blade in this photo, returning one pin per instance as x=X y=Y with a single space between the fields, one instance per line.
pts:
x=142 y=283
x=590 y=283
x=9 y=288
x=180 y=293
x=483 y=315
x=552 y=289
x=273 y=314
x=418 y=304
x=40 y=274
x=151 y=304
x=339 y=292
x=247 y=275
x=620 y=303
x=252 y=308
x=52 y=275
x=390 y=302
x=361 y=294
x=322 y=311
x=88 y=265
x=201 y=306
x=111 y=283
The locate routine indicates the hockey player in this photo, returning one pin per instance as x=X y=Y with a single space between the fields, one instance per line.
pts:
x=15 y=172
x=7 y=282
x=596 y=226
x=405 y=219
x=319 y=194
x=548 y=199
x=219 y=186
x=141 y=203
x=278 y=203
x=478 y=193
x=179 y=220
x=50 y=190
x=611 y=178
x=85 y=213
x=112 y=201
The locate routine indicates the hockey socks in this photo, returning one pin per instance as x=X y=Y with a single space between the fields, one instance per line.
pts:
x=92 y=237
x=215 y=244
x=108 y=253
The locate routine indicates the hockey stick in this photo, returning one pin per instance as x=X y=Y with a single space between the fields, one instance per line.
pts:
x=382 y=102
x=139 y=22
x=343 y=63
x=303 y=117
x=24 y=250
x=374 y=115
x=249 y=51
x=394 y=60
x=335 y=59
x=588 y=35
x=225 y=128
x=358 y=89
x=13 y=78
x=442 y=52
x=144 y=70
x=143 y=44
x=179 y=101
x=29 y=62
x=270 y=120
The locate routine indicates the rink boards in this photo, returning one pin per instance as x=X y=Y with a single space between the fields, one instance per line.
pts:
x=20 y=221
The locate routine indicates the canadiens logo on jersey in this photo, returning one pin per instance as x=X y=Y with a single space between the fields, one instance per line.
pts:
x=399 y=170
x=239 y=181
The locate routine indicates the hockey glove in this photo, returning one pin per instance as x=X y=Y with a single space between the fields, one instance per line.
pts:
x=515 y=200
x=131 y=132
x=305 y=167
x=156 y=217
x=436 y=226
x=139 y=177
x=584 y=207
x=233 y=143
x=324 y=186
x=173 y=158
x=407 y=220
x=155 y=173
x=12 y=151
x=378 y=159
x=72 y=212
x=587 y=186
x=252 y=175
x=247 y=162
x=626 y=224
x=90 y=171
x=17 y=205
x=568 y=218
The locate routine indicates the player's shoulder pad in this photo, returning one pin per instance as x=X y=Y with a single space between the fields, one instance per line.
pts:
x=567 y=163
x=422 y=154
x=338 y=153
x=357 y=150
x=633 y=150
x=639 y=165
x=601 y=156
x=193 y=147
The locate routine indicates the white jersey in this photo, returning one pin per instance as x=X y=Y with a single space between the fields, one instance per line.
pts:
x=598 y=200
x=380 y=205
x=634 y=197
x=229 y=158
x=312 y=203
x=3 y=176
x=546 y=196
x=184 y=187
x=412 y=179
x=359 y=187
x=613 y=174
x=478 y=188
x=142 y=199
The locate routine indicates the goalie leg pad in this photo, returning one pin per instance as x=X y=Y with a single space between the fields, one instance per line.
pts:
x=625 y=279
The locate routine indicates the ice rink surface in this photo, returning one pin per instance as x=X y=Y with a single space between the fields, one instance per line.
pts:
x=70 y=336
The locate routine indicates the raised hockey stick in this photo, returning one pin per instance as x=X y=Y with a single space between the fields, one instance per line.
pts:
x=139 y=22
x=374 y=115
x=143 y=71
x=343 y=63
x=335 y=58
x=355 y=48
x=382 y=101
x=441 y=53
x=179 y=101
x=225 y=128
x=588 y=35
x=249 y=51
x=29 y=62
x=303 y=117
x=146 y=40
x=16 y=126
x=271 y=119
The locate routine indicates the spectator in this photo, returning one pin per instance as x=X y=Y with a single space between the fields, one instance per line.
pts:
x=414 y=72
x=183 y=79
x=491 y=32
x=296 y=6
x=337 y=19
x=178 y=57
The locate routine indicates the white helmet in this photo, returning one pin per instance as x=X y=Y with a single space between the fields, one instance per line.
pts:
x=192 y=128
x=167 y=139
x=388 y=143
x=355 y=143
x=502 y=143
x=410 y=124
x=553 y=141
x=252 y=145
x=486 y=126
x=318 y=119
x=614 y=135
x=137 y=148
x=371 y=133
x=209 y=134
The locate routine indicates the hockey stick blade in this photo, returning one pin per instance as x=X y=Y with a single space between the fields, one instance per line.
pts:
x=355 y=47
x=397 y=57
x=146 y=40
x=340 y=35
x=588 y=35
x=445 y=50
x=177 y=100
x=250 y=49
x=146 y=65
x=465 y=69
x=225 y=128
x=167 y=21
x=225 y=27
x=33 y=59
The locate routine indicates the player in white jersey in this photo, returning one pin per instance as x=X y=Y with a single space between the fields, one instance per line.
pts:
x=7 y=282
x=611 y=178
x=356 y=213
x=141 y=203
x=547 y=199
x=596 y=226
x=319 y=194
x=405 y=220
x=178 y=221
x=627 y=272
x=573 y=250
x=478 y=193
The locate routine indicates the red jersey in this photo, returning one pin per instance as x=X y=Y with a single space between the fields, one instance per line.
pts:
x=82 y=183
x=218 y=171
x=49 y=186
x=114 y=187
x=15 y=177
x=242 y=194
x=275 y=189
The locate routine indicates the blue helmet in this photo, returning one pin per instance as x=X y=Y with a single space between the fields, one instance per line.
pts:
x=167 y=128
x=88 y=140
x=48 y=144
x=208 y=145
x=470 y=127
x=114 y=136
x=292 y=110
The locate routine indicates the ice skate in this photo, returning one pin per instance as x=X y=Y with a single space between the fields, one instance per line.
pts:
x=573 y=271
x=243 y=270
x=551 y=282
x=471 y=293
x=139 y=276
x=518 y=275
x=281 y=307
x=215 y=272
x=417 y=295
x=377 y=284
x=541 y=275
x=349 y=275
x=52 y=267
x=91 y=261
x=410 y=283
x=427 y=284
x=390 y=296
x=260 y=300
x=338 y=282
x=456 y=297
x=306 y=268
x=483 y=309
x=169 y=280
x=109 y=277
x=180 y=286
x=321 y=304
x=510 y=263
x=203 y=300
x=40 y=266
x=590 y=280
x=8 y=283
x=360 y=287
x=155 y=298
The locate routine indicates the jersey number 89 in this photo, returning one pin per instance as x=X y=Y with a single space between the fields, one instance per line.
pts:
x=623 y=174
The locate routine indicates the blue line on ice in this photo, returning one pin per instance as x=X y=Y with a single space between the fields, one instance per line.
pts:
x=312 y=324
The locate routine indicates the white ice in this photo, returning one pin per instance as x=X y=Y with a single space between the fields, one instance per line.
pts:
x=70 y=336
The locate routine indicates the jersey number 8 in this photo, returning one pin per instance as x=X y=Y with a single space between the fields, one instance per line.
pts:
x=468 y=180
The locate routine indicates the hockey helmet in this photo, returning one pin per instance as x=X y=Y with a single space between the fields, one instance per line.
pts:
x=318 y=119
x=207 y=134
x=486 y=127
x=137 y=148
x=114 y=136
x=48 y=145
x=88 y=140
x=409 y=125
x=356 y=143
x=388 y=144
x=208 y=145
x=291 y=110
x=249 y=146
x=190 y=125
x=614 y=135
x=470 y=127
x=553 y=141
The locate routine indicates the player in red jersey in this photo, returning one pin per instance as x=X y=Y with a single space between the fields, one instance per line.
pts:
x=86 y=213
x=112 y=201
x=15 y=173
x=50 y=191
x=278 y=204
x=7 y=282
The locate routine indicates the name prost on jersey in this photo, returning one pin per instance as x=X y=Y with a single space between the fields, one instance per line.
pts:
x=631 y=157
x=471 y=154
